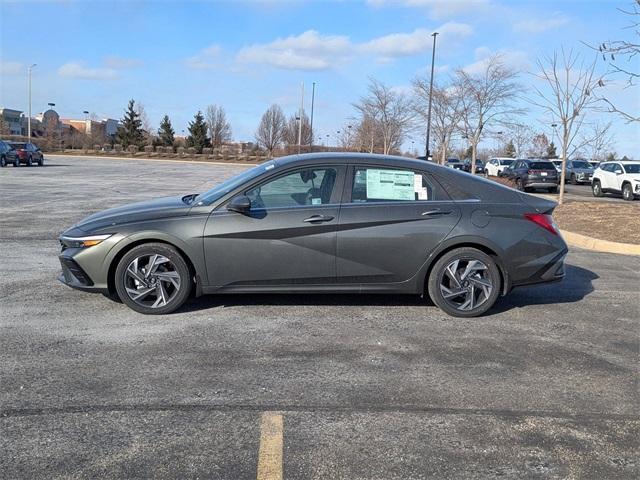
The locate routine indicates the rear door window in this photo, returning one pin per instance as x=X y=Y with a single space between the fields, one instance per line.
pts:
x=378 y=184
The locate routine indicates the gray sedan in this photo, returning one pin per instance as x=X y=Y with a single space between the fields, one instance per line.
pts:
x=322 y=223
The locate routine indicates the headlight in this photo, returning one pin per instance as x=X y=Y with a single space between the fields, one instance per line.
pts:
x=83 y=242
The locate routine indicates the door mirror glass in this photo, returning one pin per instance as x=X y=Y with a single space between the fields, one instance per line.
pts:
x=240 y=204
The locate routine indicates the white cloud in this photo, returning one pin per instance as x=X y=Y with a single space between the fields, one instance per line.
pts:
x=205 y=59
x=307 y=51
x=406 y=44
x=438 y=8
x=516 y=59
x=540 y=25
x=78 y=70
x=116 y=62
x=12 y=68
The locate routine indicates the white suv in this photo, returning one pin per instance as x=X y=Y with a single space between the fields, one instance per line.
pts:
x=496 y=166
x=618 y=177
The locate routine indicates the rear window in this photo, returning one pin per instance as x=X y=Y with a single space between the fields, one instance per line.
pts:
x=385 y=185
x=541 y=166
x=18 y=145
x=632 y=168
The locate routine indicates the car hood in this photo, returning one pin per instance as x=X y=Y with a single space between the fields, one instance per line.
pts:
x=135 y=212
x=583 y=170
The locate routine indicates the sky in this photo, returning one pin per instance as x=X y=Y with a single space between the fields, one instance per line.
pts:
x=178 y=57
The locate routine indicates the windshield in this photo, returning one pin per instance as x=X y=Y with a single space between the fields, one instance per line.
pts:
x=506 y=162
x=581 y=165
x=632 y=168
x=18 y=146
x=453 y=160
x=220 y=190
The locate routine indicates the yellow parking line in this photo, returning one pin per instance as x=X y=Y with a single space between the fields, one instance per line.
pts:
x=270 y=454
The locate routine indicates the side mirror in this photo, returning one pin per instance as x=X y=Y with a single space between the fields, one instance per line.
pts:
x=240 y=204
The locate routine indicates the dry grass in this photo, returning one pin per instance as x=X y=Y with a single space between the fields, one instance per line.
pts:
x=613 y=221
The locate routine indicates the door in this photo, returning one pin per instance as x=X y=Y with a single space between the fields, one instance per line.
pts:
x=288 y=237
x=607 y=176
x=390 y=221
x=616 y=177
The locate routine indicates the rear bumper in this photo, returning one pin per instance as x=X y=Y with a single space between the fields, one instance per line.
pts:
x=552 y=271
x=541 y=184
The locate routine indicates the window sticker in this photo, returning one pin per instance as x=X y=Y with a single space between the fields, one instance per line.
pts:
x=316 y=201
x=390 y=184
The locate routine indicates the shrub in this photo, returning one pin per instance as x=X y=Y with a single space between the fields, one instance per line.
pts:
x=207 y=151
x=133 y=149
x=117 y=147
x=191 y=150
x=180 y=150
x=148 y=149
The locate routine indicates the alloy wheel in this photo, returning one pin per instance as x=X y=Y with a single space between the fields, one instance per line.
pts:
x=152 y=280
x=466 y=284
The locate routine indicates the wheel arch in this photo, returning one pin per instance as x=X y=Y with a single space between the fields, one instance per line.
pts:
x=115 y=259
x=473 y=242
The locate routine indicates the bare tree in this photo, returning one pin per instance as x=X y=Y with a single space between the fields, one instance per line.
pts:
x=487 y=98
x=219 y=127
x=617 y=51
x=291 y=131
x=446 y=113
x=521 y=135
x=597 y=140
x=390 y=110
x=271 y=130
x=539 y=146
x=368 y=137
x=147 y=128
x=348 y=139
x=568 y=97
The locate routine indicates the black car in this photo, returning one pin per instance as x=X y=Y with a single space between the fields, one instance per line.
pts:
x=533 y=174
x=466 y=165
x=323 y=223
x=8 y=155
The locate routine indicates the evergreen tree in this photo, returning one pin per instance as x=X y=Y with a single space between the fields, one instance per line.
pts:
x=611 y=157
x=551 y=151
x=166 y=132
x=510 y=150
x=130 y=133
x=198 y=133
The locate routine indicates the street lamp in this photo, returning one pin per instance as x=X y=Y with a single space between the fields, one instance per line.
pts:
x=433 y=58
x=554 y=125
x=29 y=117
x=313 y=97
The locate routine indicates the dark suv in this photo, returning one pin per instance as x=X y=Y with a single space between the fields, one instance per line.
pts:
x=530 y=174
x=8 y=155
x=466 y=165
x=28 y=153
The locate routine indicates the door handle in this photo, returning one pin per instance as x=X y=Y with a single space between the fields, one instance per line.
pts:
x=433 y=213
x=318 y=218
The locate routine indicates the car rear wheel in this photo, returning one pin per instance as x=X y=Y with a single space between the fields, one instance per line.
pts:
x=153 y=278
x=520 y=184
x=3 y=162
x=465 y=282
x=41 y=161
x=627 y=192
x=16 y=162
x=30 y=161
x=596 y=188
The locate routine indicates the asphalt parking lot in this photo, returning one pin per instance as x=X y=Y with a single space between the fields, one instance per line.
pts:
x=375 y=387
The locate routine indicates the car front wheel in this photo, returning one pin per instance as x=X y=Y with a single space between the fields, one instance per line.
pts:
x=627 y=192
x=465 y=282
x=3 y=162
x=30 y=161
x=41 y=162
x=153 y=279
x=16 y=162
x=596 y=188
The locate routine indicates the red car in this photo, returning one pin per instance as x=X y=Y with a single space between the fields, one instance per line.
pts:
x=28 y=153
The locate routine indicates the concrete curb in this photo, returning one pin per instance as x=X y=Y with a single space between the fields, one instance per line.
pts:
x=588 y=243
x=148 y=159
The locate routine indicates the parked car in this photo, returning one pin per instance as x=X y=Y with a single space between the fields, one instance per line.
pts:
x=322 y=223
x=454 y=163
x=579 y=171
x=531 y=174
x=8 y=155
x=466 y=165
x=594 y=163
x=617 y=177
x=495 y=166
x=28 y=153
x=558 y=165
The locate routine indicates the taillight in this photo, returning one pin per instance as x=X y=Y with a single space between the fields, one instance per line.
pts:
x=531 y=172
x=543 y=220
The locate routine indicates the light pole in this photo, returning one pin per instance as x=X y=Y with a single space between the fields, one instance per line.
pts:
x=301 y=113
x=29 y=117
x=433 y=58
x=313 y=96
x=554 y=125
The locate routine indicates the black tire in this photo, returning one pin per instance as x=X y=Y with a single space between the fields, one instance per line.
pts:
x=553 y=190
x=3 y=162
x=627 y=192
x=177 y=261
x=596 y=188
x=16 y=162
x=30 y=161
x=41 y=162
x=573 y=179
x=437 y=276
x=520 y=184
